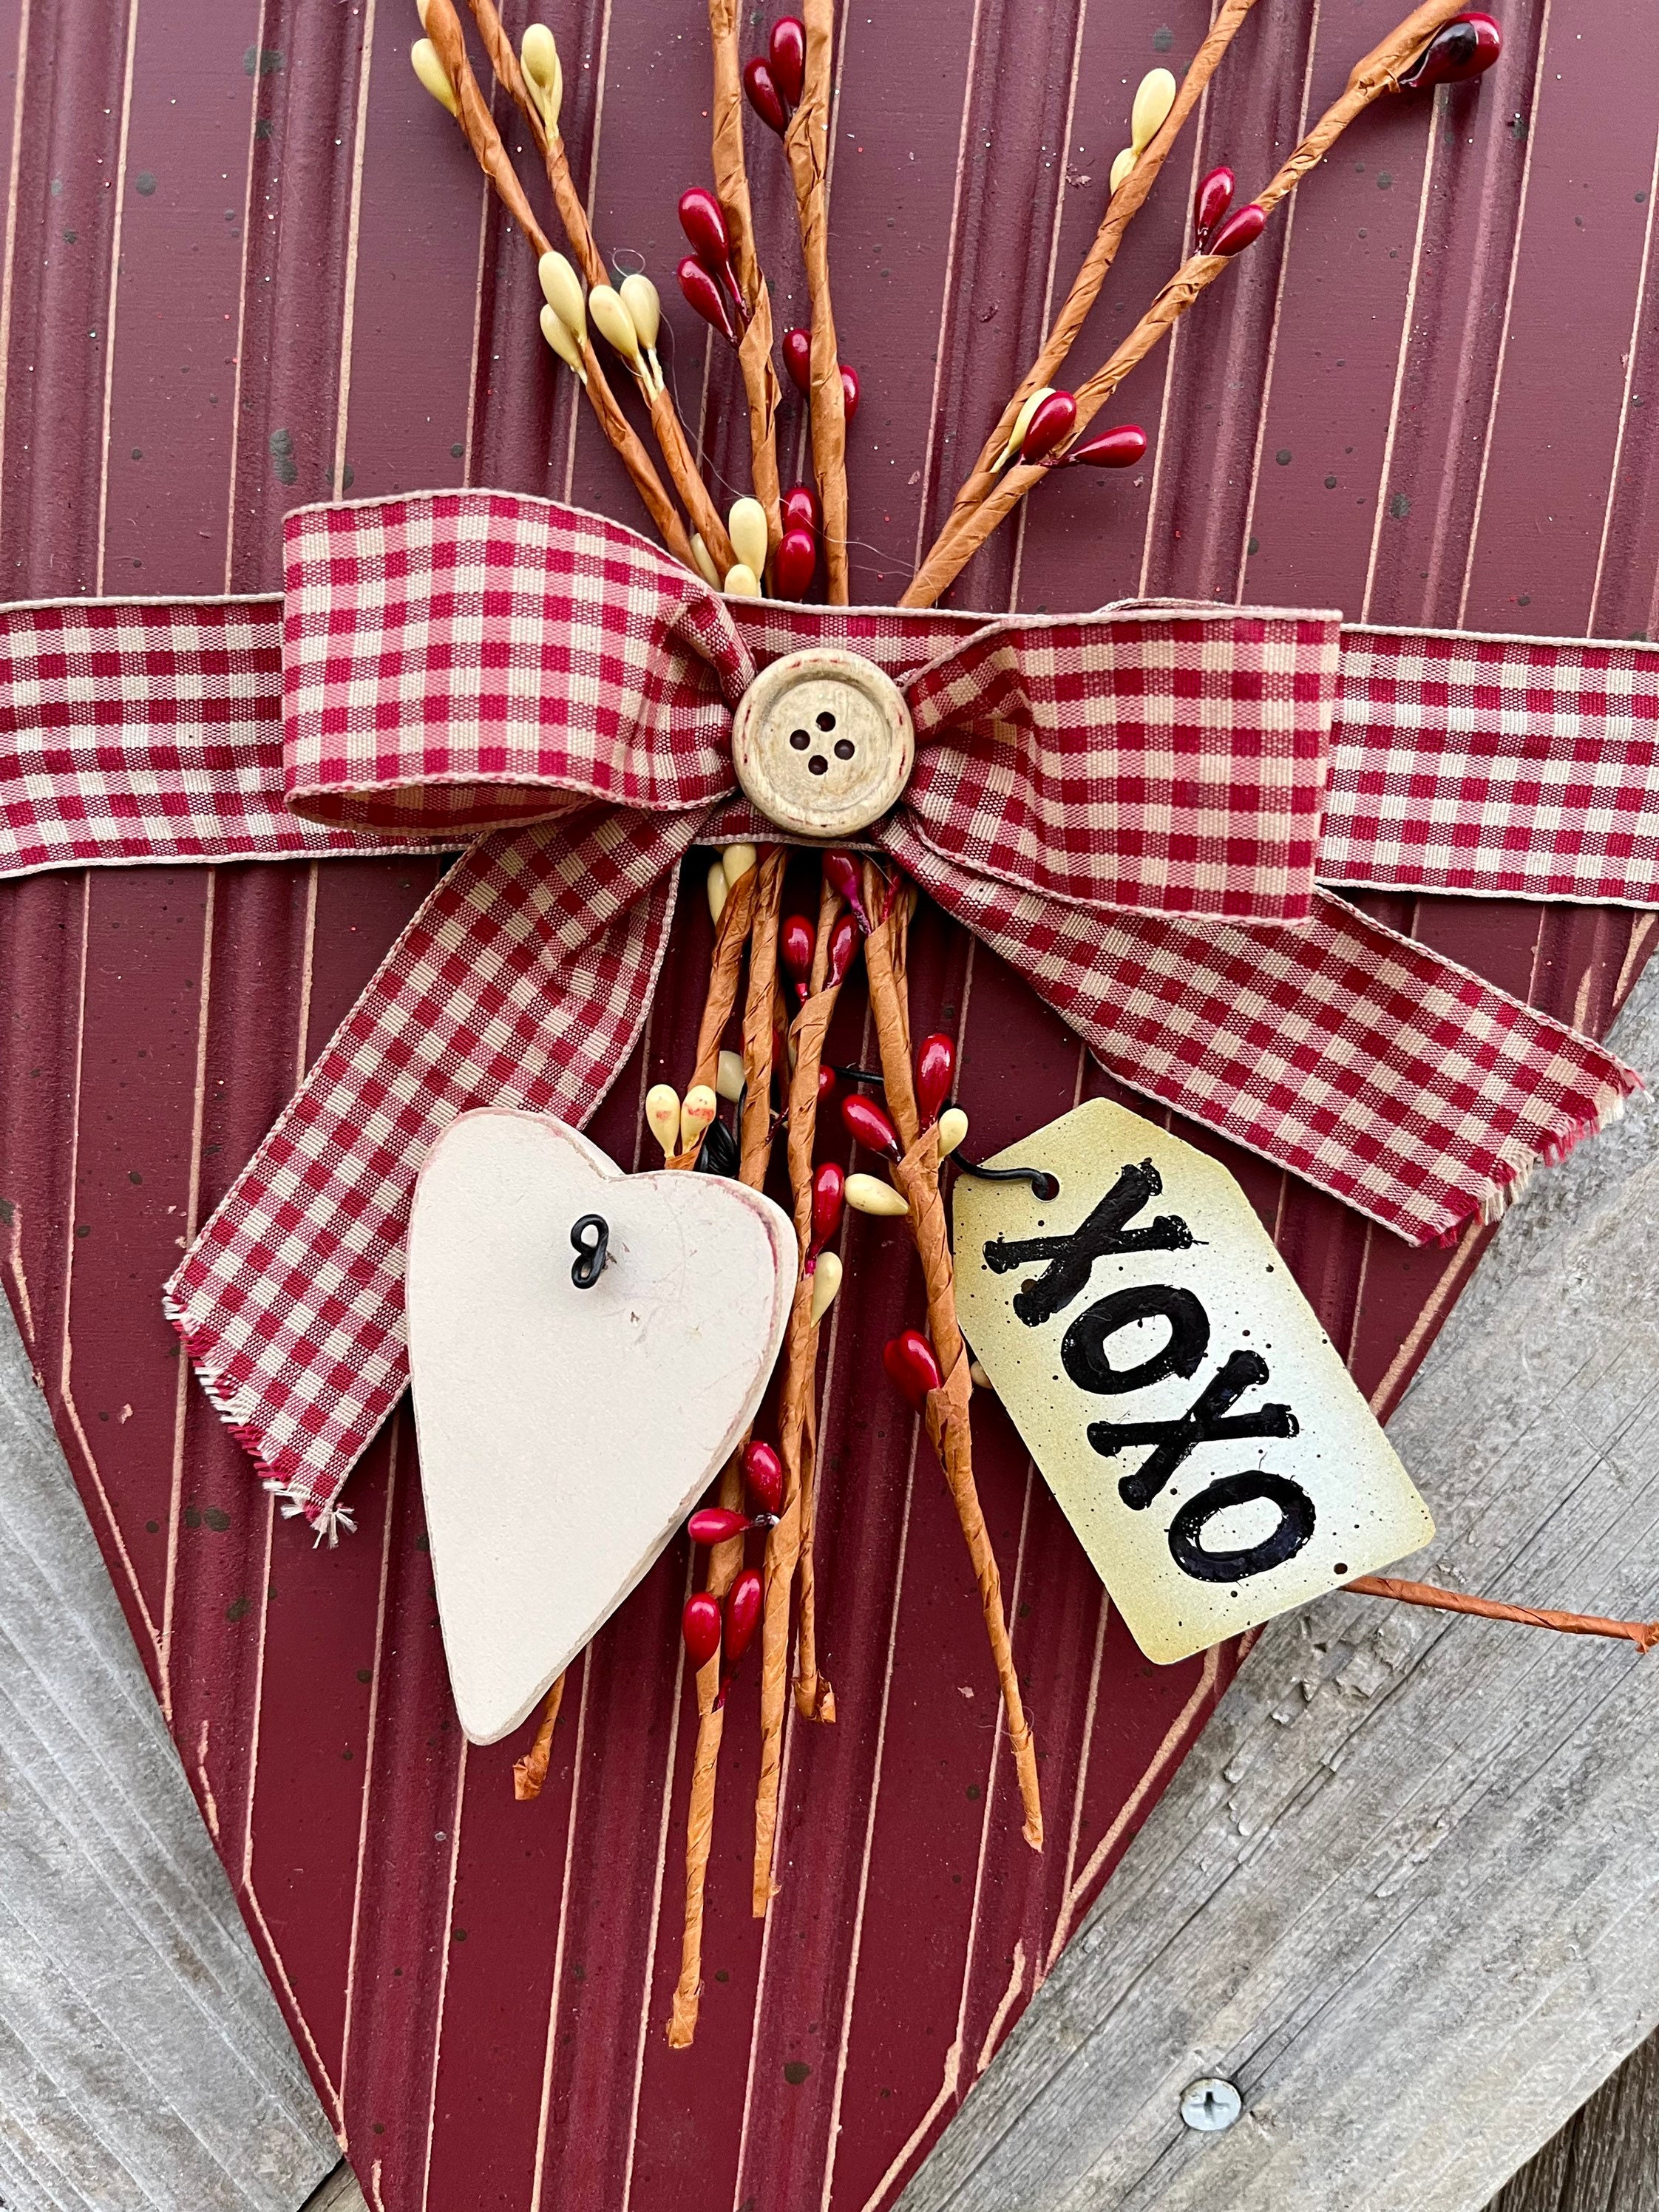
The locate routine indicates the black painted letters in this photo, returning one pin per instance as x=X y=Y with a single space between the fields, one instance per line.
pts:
x=1084 y=1353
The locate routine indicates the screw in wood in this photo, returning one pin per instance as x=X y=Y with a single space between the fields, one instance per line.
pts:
x=1210 y=2104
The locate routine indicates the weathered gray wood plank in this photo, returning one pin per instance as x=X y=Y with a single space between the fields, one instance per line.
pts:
x=1403 y=1892
x=142 y=2061
x=1606 y=2157
x=340 y=2193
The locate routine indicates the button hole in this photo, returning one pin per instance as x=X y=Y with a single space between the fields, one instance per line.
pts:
x=826 y=721
x=818 y=765
x=799 y=739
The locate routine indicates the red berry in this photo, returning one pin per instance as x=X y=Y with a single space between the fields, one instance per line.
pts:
x=763 y=95
x=800 y=508
x=841 y=873
x=826 y=1082
x=912 y=1366
x=796 y=942
x=843 y=943
x=794 y=564
x=868 y=1124
x=701 y=293
x=762 y=1476
x=1211 y=202
x=787 y=52
x=1243 y=228
x=1461 y=49
x=797 y=359
x=1054 y=418
x=829 y=1185
x=849 y=391
x=700 y=1628
x=743 y=1612
x=704 y=226
x=1118 y=448
x=936 y=1064
x=717 y=1524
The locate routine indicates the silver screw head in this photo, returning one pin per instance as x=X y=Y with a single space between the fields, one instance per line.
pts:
x=1210 y=2104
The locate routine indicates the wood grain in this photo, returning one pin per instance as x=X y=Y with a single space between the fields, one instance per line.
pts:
x=1606 y=2157
x=142 y=2061
x=1402 y=1890
x=248 y=262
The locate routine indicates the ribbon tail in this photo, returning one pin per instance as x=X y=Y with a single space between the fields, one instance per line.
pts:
x=1362 y=1062
x=523 y=981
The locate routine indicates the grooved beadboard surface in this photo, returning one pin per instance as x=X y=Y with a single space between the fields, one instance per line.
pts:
x=249 y=261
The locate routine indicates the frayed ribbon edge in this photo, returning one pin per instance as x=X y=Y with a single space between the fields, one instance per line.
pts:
x=295 y=1502
x=1511 y=1177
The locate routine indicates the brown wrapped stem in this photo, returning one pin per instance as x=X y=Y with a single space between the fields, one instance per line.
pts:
x=948 y=1425
x=726 y=1559
x=755 y=1136
x=725 y=966
x=682 y=465
x=571 y=214
x=699 y=1834
x=631 y=449
x=815 y=1698
x=1377 y=73
x=1121 y=209
x=530 y=1773
x=807 y=145
x=676 y=454
x=760 y=380
x=784 y=1543
x=443 y=28
x=1644 y=1634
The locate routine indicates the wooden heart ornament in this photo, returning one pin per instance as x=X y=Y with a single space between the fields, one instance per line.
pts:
x=565 y=1432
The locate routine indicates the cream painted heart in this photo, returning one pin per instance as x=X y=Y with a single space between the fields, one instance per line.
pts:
x=566 y=1432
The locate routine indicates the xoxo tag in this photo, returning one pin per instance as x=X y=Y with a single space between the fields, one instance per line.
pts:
x=565 y=1433
x=1196 y=1423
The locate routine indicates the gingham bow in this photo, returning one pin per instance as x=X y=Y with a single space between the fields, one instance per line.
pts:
x=1129 y=807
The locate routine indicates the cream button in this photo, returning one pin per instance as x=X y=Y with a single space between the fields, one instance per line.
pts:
x=822 y=743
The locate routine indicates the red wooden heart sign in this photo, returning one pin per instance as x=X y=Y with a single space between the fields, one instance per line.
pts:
x=291 y=293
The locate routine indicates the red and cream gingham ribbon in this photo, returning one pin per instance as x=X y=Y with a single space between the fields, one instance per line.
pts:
x=1131 y=807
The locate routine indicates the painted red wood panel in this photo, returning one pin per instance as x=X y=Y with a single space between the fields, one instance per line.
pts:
x=247 y=264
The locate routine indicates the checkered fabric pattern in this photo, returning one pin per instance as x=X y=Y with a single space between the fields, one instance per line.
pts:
x=1087 y=758
x=470 y=658
x=1509 y=767
x=147 y=729
x=523 y=980
x=1403 y=1083
x=578 y=691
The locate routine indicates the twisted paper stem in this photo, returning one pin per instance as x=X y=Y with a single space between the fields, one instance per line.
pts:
x=530 y=1773
x=1121 y=209
x=806 y=143
x=765 y=886
x=1644 y=1634
x=917 y=1176
x=795 y=1427
x=760 y=380
x=1379 y=72
x=443 y=28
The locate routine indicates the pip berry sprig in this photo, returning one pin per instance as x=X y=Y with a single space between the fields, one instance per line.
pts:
x=793 y=86
x=789 y=1545
x=908 y=1134
x=760 y=380
x=535 y=86
x=745 y=907
x=1438 y=42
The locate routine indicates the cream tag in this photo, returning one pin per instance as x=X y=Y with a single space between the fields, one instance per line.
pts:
x=1197 y=1425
